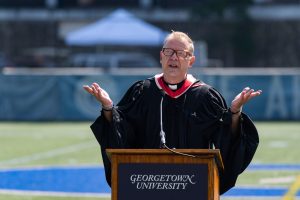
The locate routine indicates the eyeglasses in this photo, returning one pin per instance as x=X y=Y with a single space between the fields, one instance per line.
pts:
x=179 y=53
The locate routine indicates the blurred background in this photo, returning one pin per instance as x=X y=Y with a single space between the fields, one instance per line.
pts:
x=245 y=33
x=49 y=49
x=63 y=44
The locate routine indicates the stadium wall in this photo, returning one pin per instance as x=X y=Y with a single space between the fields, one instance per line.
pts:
x=61 y=97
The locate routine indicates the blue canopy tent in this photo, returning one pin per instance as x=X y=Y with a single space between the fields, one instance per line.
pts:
x=118 y=28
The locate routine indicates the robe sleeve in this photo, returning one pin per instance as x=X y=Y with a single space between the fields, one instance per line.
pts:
x=237 y=149
x=112 y=134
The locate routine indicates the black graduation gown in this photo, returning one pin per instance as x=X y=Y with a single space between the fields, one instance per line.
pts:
x=196 y=119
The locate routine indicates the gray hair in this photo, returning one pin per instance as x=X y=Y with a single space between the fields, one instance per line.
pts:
x=181 y=36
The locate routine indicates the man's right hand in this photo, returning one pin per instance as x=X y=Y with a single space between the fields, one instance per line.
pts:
x=100 y=94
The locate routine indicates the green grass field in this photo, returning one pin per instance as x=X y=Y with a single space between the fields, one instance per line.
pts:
x=72 y=144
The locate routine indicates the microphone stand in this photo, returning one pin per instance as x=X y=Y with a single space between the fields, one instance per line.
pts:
x=163 y=134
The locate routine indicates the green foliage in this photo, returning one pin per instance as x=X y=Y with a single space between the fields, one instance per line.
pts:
x=237 y=18
x=209 y=8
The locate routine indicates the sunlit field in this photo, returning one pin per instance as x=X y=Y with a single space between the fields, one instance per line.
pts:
x=32 y=145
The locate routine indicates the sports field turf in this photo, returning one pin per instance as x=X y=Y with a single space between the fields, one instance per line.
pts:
x=71 y=144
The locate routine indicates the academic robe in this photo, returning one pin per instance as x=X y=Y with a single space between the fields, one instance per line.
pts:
x=195 y=116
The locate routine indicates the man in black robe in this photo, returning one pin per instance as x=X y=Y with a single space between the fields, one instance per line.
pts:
x=191 y=113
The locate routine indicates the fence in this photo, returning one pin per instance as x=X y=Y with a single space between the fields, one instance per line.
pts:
x=61 y=97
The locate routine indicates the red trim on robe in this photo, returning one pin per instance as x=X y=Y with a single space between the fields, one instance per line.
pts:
x=189 y=81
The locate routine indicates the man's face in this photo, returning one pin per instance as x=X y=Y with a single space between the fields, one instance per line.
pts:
x=175 y=66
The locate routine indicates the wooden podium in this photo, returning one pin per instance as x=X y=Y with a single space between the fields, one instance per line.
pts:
x=159 y=174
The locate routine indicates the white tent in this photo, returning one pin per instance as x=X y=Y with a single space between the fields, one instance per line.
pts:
x=118 y=28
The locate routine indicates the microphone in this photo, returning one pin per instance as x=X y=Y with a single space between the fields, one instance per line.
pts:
x=162 y=138
x=162 y=134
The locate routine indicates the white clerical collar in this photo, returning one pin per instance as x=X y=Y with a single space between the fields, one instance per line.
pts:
x=173 y=87
x=189 y=81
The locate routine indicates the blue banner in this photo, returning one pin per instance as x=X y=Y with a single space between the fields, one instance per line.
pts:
x=61 y=97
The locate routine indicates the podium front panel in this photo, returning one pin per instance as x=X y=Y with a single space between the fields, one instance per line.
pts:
x=154 y=174
x=155 y=181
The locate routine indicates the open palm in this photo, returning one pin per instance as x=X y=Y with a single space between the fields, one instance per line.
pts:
x=100 y=94
x=243 y=97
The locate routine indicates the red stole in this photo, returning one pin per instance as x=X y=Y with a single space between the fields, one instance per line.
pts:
x=189 y=81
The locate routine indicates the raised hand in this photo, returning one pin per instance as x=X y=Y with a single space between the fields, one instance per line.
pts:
x=100 y=94
x=242 y=98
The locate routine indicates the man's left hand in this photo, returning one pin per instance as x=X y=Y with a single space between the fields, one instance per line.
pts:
x=242 y=98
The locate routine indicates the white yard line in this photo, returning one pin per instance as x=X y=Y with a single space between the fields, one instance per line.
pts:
x=253 y=198
x=60 y=194
x=47 y=154
x=52 y=167
x=276 y=180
